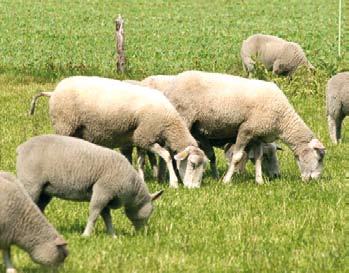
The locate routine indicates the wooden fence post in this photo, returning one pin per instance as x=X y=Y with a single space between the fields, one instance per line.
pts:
x=120 y=48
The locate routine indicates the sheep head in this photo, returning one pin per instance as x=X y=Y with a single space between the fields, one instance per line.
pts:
x=191 y=165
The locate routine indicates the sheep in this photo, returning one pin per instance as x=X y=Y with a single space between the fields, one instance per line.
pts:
x=220 y=106
x=74 y=169
x=337 y=104
x=22 y=224
x=114 y=113
x=270 y=164
x=276 y=54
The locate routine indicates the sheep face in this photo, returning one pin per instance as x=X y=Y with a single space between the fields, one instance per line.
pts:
x=51 y=253
x=282 y=69
x=191 y=165
x=270 y=163
x=310 y=160
x=139 y=216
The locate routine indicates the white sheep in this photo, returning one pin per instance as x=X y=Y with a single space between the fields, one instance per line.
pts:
x=270 y=163
x=278 y=55
x=114 y=113
x=220 y=106
x=22 y=224
x=337 y=104
x=74 y=169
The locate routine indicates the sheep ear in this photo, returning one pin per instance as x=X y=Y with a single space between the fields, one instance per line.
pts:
x=156 y=195
x=182 y=155
x=59 y=241
x=318 y=146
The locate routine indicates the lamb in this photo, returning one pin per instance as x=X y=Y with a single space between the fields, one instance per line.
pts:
x=278 y=55
x=22 y=224
x=270 y=164
x=337 y=104
x=219 y=106
x=74 y=169
x=114 y=113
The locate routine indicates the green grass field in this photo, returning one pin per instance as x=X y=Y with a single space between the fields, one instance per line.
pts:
x=284 y=225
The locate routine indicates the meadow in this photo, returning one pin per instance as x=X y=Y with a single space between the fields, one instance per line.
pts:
x=284 y=225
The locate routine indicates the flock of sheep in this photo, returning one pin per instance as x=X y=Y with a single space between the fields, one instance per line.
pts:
x=179 y=118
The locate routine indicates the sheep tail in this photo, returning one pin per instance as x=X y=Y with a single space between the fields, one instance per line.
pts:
x=35 y=98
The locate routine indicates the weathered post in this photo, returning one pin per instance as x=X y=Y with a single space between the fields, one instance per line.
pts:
x=339 y=26
x=120 y=48
x=344 y=44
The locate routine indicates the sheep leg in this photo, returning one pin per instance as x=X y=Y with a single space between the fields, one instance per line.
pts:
x=258 y=157
x=243 y=138
x=332 y=127
x=339 y=129
x=241 y=166
x=108 y=221
x=6 y=253
x=154 y=164
x=208 y=150
x=237 y=157
x=335 y=128
x=165 y=155
x=206 y=146
x=127 y=152
x=141 y=162
x=44 y=200
x=162 y=170
x=99 y=201
x=34 y=190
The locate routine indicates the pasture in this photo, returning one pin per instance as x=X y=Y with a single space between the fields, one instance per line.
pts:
x=284 y=225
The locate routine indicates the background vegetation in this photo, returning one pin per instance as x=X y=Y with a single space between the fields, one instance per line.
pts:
x=282 y=226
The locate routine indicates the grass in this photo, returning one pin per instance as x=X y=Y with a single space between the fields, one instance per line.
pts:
x=282 y=226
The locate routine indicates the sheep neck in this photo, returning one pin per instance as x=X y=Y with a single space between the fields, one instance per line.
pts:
x=140 y=193
x=177 y=137
x=32 y=229
x=294 y=132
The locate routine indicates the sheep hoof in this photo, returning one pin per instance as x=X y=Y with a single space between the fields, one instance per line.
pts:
x=192 y=186
x=85 y=235
x=259 y=181
x=226 y=180
x=174 y=185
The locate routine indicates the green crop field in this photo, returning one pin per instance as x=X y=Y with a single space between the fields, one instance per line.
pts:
x=284 y=225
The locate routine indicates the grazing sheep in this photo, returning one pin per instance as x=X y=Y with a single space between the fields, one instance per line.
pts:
x=337 y=104
x=220 y=106
x=22 y=224
x=114 y=113
x=73 y=169
x=270 y=164
x=278 y=55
